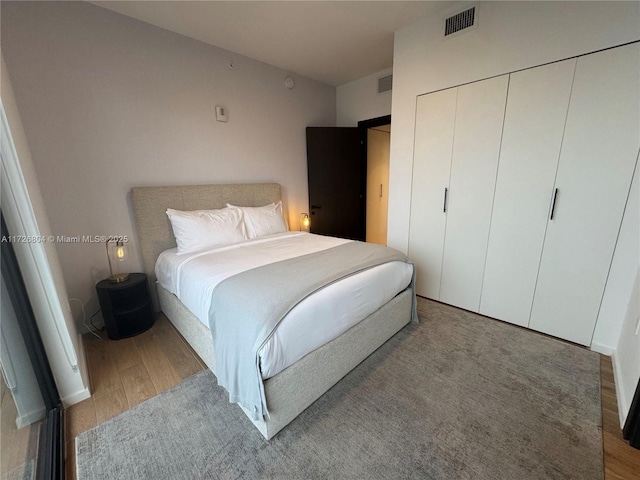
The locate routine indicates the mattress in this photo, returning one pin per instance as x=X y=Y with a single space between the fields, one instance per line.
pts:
x=316 y=320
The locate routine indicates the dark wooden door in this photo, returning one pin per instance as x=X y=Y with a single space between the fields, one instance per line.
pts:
x=337 y=182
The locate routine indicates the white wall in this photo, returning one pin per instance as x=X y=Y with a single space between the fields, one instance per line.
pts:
x=73 y=384
x=359 y=100
x=109 y=102
x=618 y=329
x=626 y=359
x=620 y=282
x=510 y=36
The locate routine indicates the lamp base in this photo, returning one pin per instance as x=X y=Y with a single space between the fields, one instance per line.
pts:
x=119 y=277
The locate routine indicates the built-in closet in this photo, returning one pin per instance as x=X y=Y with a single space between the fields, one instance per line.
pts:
x=519 y=186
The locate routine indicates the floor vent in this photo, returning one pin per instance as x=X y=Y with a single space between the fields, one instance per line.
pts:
x=385 y=83
x=460 y=21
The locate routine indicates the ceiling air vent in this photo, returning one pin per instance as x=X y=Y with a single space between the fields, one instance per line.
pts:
x=385 y=83
x=460 y=21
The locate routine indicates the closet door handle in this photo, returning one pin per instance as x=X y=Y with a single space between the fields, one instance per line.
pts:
x=444 y=208
x=553 y=204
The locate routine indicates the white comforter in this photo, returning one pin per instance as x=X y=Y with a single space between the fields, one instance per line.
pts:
x=315 y=321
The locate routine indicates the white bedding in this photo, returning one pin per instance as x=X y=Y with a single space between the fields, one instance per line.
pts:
x=315 y=321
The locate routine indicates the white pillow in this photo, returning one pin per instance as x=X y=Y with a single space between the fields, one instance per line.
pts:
x=261 y=221
x=199 y=229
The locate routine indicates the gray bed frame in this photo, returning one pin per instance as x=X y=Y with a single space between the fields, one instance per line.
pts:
x=291 y=391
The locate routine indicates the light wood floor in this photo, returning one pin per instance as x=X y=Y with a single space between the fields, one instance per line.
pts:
x=127 y=372
x=621 y=461
x=124 y=373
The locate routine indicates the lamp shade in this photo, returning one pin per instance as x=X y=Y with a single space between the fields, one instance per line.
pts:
x=305 y=222
x=117 y=253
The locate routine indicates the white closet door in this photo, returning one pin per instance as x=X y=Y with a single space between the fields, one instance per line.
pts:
x=435 y=119
x=533 y=127
x=476 y=146
x=598 y=156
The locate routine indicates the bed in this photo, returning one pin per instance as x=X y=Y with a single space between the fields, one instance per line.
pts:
x=291 y=390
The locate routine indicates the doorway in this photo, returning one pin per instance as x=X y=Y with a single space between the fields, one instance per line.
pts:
x=378 y=148
x=375 y=136
x=336 y=176
x=348 y=171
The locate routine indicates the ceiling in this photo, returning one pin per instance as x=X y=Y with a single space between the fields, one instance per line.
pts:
x=333 y=42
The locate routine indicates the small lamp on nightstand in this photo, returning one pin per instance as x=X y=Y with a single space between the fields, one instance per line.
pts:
x=305 y=222
x=116 y=254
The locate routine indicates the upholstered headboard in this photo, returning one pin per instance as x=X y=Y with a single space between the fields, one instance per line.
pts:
x=150 y=205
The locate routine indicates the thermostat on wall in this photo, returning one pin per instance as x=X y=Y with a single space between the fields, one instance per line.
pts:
x=221 y=114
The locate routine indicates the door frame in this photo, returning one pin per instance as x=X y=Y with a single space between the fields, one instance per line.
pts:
x=50 y=461
x=363 y=127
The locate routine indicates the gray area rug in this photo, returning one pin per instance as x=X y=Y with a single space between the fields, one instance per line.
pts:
x=458 y=396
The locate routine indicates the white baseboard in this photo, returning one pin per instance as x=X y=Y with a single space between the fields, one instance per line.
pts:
x=30 y=417
x=603 y=349
x=623 y=406
x=76 y=397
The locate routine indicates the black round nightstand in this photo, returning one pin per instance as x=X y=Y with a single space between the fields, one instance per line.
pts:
x=126 y=306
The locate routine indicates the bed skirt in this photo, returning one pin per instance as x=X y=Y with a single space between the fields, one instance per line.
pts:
x=291 y=391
